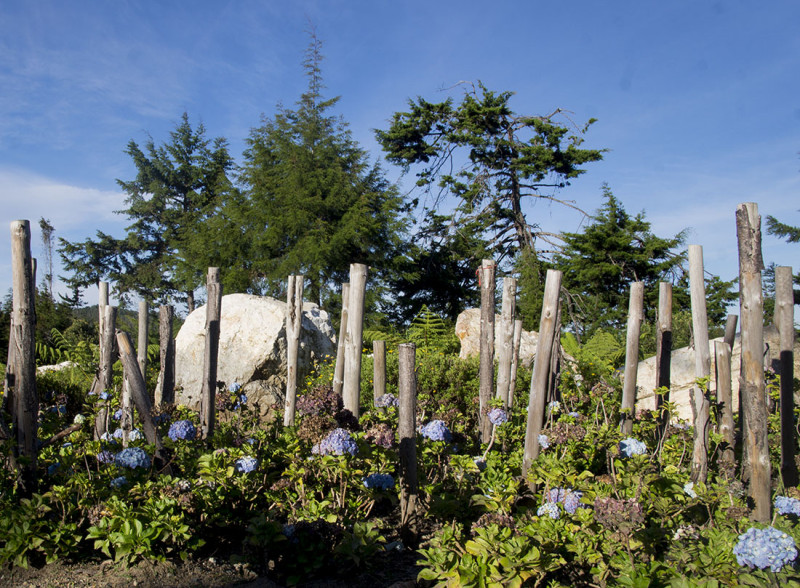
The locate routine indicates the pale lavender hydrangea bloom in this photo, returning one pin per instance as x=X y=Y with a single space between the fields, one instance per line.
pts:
x=436 y=431
x=786 y=505
x=338 y=442
x=550 y=509
x=544 y=442
x=119 y=482
x=386 y=401
x=765 y=548
x=688 y=488
x=132 y=457
x=246 y=464
x=379 y=481
x=571 y=499
x=497 y=416
x=631 y=446
x=182 y=430
x=105 y=456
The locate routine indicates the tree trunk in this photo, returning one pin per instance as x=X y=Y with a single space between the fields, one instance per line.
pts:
x=407 y=438
x=541 y=367
x=784 y=311
x=486 y=373
x=351 y=388
x=294 y=320
x=751 y=383
x=699 y=399
x=506 y=342
x=208 y=394
x=165 y=388
x=635 y=317
x=338 y=370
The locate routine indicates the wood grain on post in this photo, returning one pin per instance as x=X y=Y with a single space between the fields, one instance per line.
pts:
x=407 y=438
x=208 y=393
x=541 y=367
x=338 y=369
x=663 y=353
x=505 y=350
x=141 y=344
x=730 y=330
x=486 y=373
x=722 y=352
x=635 y=317
x=165 y=388
x=701 y=408
x=512 y=385
x=784 y=311
x=105 y=377
x=751 y=381
x=294 y=320
x=102 y=303
x=25 y=409
x=378 y=370
x=351 y=387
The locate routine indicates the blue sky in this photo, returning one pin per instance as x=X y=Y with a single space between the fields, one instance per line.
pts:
x=697 y=102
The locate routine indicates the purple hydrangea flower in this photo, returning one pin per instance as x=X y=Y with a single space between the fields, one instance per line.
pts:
x=379 y=481
x=436 y=431
x=105 y=456
x=338 y=442
x=117 y=414
x=235 y=387
x=182 y=430
x=132 y=457
x=765 y=548
x=246 y=464
x=497 y=416
x=786 y=505
x=119 y=482
x=104 y=395
x=631 y=446
x=571 y=499
x=386 y=400
x=550 y=509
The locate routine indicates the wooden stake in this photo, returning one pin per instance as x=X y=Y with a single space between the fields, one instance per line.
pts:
x=663 y=353
x=294 y=319
x=722 y=352
x=378 y=369
x=784 y=311
x=351 y=387
x=165 y=388
x=407 y=438
x=506 y=342
x=512 y=386
x=486 y=373
x=338 y=370
x=635 y=317
x=208 y=394
x=700 y=404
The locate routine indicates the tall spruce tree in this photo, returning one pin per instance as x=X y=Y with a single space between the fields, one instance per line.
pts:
x=313 y=203
x=178 y=187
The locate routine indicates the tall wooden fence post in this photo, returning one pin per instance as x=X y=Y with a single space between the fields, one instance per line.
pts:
x=378 y=370
x=702 y=365
x=341 y=349
x=102 y=303
x=635 y=317
x=141 y=344
x=208 y=394
x=663 y=354
x=722 y=353
x=105 y=378
x=486 y=373
x=751 y=381
x=784 y=306
x=407 y=438
x=512 y=384
x=25 y=408
x=165 y=388
x=541 y=367
x=506 y=343
x=294 y=320
x=351 y=388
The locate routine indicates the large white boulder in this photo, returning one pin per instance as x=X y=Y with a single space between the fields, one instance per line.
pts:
x=252 y=349
x=468 y=330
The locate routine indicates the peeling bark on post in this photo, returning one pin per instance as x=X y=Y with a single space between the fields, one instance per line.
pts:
x=294 y=319
x=700 y=404
x=208 y=394
x=663 y=354
x=338 y=370
x=722 y=352
x=407 y=438
x=105 y=377
x=635 y=317
x=784 y=311
x=25 y=408
x=351 y=387
x=486 y=372
x=512 y=385
x=541 y=367
x=378 y=370
x=751 y=383
x=165 y=387
x=506 y=343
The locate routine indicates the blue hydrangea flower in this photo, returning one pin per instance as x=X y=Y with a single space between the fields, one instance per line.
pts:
x=554 y=406
x=544 y=442
x=104 y=395
x=379 y=481
x=574 y=414
x=53 y=468
x=386 y=401
x=550 y=509
x=135 y=435
x=571 y=499
x=497 y=416
x=117 y=434
x=235 y=387
x=117 y=414
x=631 y=446
x=765 y=548
x=436 y=431
x=786 y=505
x=688 y=488
x=105 y=456
x=132 y=457
x=182 y=430
x=119 y=482
x=246 y=464
x=338 y=442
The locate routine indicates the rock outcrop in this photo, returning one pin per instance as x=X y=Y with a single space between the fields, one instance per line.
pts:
x=468 y=330
x=252 y=349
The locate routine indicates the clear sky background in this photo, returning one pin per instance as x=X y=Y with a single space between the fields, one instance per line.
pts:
x=697 y=101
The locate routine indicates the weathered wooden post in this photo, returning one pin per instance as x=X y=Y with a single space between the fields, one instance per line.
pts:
x=635 y=317
x=541 y=367
x=506 y=343
x=663 y=354
x=102 y=303
x=25 y=408
x=512 y=385
x=165 y=387
x=730 y=330
x=378 y=370
x=784 y=313
x=751 y=381
x=338 y=369
x=722 y=352
x=294 y=320
x=208 y=394
x=700 y=405
x=486 y=372
x=351 y=387
x=407 y=438
x=141 y=345
x=105 y=377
